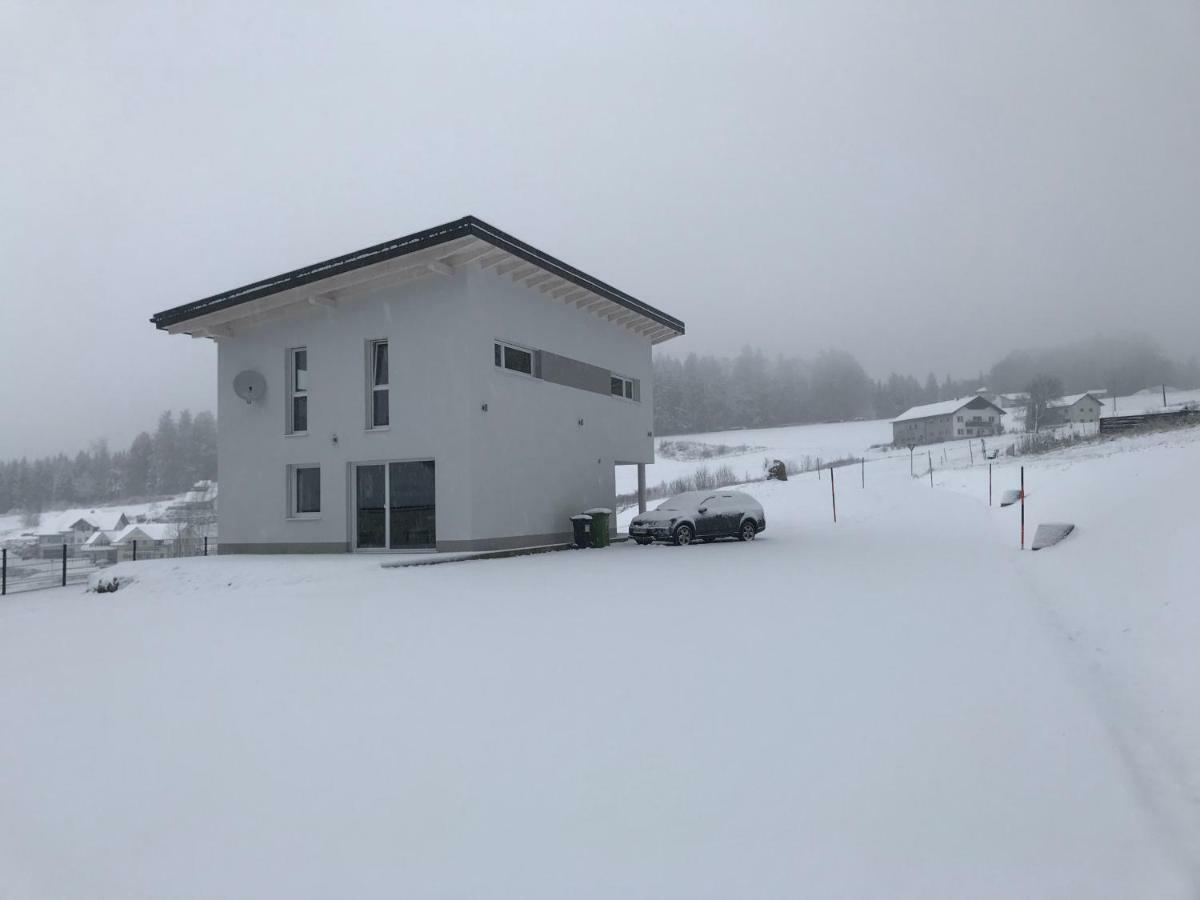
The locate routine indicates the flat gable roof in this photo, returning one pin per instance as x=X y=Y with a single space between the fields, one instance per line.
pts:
x=459 y=233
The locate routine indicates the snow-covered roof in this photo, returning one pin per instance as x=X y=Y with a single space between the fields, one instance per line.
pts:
x=150 y=531
x=942 y=408
x=1072 y=399
x=100 y=538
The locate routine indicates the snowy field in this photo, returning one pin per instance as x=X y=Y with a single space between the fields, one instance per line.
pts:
x=899 y=705
x=835 y=440
x=1147 y=401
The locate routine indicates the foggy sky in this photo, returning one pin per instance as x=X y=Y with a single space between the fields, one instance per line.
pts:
x=926 y=185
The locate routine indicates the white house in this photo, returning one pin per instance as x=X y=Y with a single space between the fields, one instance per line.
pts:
x=456 y=388
x=149 y=535
x=949 y=420
x=1075 y=408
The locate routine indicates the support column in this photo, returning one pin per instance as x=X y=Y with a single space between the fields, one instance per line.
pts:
x=641 y=467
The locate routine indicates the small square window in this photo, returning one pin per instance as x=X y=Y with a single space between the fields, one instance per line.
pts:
x=620 y=386
x=304 y=491
x=514 y=359
x=518 y=360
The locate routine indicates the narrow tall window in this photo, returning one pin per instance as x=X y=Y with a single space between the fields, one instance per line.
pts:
x=297 y=391
x=379 y=414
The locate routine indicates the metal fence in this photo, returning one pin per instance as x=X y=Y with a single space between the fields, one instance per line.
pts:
x=58 y=565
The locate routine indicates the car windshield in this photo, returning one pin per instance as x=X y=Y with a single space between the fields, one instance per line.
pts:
x=680 y=502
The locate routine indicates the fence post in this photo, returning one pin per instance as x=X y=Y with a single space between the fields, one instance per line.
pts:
x=64 y=565
x=862 y=462
x=135 y=549
x=1022 y=507
x=818 y=468
x=931 y=473
x=206 y=545
x=971 y=450
x=989 y=484
x=3 y=572
x=833 y=493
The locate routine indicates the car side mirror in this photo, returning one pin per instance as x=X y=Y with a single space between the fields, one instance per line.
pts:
x=702 y=509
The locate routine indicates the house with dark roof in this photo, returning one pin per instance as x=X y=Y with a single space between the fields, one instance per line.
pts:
x=454 y=389
x=948 y=420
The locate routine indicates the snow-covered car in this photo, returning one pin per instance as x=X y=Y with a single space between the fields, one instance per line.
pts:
x=700 y=515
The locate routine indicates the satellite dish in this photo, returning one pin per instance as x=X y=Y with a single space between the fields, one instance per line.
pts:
x=250 y=386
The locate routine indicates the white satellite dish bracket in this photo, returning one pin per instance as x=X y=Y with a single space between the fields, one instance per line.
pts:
x=250 y=386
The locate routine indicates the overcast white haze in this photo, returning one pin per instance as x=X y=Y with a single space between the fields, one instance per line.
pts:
x=926 y=185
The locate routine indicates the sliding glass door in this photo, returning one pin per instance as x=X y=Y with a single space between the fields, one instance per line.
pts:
x=395 y=506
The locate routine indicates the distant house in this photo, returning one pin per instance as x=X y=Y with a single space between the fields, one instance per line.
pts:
x=150 y=535
x=197 y=507
x=949 y=420
x=1074 y=408
x=108 y=520
x=1012 y=401
x=74 y=530
x=100 y=548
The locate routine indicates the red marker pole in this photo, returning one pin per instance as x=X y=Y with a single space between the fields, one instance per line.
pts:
x=1022 y=507
x=833 y=493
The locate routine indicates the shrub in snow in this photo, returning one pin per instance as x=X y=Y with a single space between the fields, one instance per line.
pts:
x=107 y=582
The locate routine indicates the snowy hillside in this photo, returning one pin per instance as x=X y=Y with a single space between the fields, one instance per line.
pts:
x=902 y=705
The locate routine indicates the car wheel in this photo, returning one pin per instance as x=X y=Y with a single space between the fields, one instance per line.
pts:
x=749 y=530
x=684 y=535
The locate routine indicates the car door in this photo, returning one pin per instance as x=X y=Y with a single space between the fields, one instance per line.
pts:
x=708 y=517
x=730 y=511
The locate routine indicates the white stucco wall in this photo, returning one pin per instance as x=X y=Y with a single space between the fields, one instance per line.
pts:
x=519 y=469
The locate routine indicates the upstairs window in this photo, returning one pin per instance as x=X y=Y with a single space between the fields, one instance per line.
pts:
x=297 y=409
x=378 y=403
x=620 y=386
x=515 y=359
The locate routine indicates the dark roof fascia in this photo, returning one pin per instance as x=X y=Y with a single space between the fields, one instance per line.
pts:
x=468 y=226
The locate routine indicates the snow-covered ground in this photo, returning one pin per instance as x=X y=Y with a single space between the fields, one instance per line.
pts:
x=1147 y=401
x=902 y=704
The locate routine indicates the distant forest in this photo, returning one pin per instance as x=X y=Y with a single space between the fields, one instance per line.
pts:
x=182 y=451
x=752 y=390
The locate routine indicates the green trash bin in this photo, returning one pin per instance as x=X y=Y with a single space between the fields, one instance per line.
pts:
x=600 y=519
